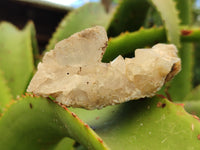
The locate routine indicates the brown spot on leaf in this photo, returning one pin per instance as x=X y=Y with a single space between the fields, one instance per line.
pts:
x=100 y=140
x=186 y=32
x=74 y=115
x=30 y=105
x=163 y=105
x=86 y=125
x=180 y=104
x=160 y=104
x=161 y=96
x=97 y=118
x=194 y=116
x=23 y=96
x=198 y=136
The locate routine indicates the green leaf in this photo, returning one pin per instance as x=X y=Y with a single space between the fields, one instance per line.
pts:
x=129 y=16
x=65 y=144
x=5 y=95
x=125 y=44
x=184 y=78
x=193 y=107
x=194 y=94
x=31 y=29
x=169 y=15
x=86 y=16
x=148 y=124
x=16 y=57
x=38 y=123
x=182 y=84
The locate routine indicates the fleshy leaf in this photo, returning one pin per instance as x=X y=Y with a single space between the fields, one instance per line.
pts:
x=194 y=94
x=31 y=28
x=65 y=144
x=5 y=95
x=169 y=15
x=129 y=16
x=125 y=44
x=16 y=57
x=147 y=124
x=184 y=79
x=90 y=15
x=193 y=107
x=38 y=123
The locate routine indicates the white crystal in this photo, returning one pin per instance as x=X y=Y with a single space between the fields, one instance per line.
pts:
x=74 y=74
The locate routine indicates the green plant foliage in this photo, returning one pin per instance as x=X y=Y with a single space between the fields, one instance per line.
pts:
x=4 y=93
x=170 y=18
x=90 y=15
x=190 y=34
x=65 y=144
x=44 y=123
x=16 y=56
x=155 y=123
x=194 y=94
x=193 y=107
x=145 y=124
x=31 y=29
x=182 y=85
x=196 y=79
x=177 y=93
x=126 y=43
x=129 y=16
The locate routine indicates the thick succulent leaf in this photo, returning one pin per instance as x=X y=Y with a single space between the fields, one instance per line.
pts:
x=184 y=78
x=185 y=9
x=96 y=117
x=16 y=57
x=125 y=44
x=169 y=14
x=193 y=107
x=144 y=124
x=5 y=95
x=129 y=16
x=90 y=15
x=38 y=123
x=153 y=18
x=65 y=144
x=193 y=95
x=31 y=28
x=196 y=80
x=148 y=124
x=190 y=34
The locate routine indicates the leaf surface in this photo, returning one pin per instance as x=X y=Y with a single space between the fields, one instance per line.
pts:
x=146 y=124
x=16 y=57
x=38 y=123
x=169 y=15
x=5 y=95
